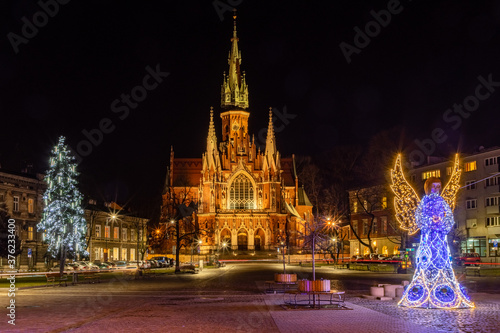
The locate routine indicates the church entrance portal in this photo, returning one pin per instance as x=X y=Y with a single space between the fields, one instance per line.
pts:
x=242 y=240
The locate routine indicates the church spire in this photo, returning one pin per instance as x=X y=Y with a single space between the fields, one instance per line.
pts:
x=211 y=127
x=211 y=138
x=271 y=153
x=211 y=157
x=234 y=90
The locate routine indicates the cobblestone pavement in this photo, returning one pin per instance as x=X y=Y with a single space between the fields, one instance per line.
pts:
x=484 y=318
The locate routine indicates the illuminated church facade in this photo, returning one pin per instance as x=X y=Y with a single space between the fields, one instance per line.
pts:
x=249 y=199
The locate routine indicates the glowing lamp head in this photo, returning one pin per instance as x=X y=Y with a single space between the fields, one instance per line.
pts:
x=432 y=185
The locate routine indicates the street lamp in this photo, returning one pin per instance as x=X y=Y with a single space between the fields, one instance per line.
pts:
x=112 y=217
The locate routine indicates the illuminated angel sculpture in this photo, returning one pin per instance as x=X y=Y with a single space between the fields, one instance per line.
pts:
x=434 y=284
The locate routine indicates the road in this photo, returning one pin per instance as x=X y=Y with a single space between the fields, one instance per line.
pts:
x=229 y=299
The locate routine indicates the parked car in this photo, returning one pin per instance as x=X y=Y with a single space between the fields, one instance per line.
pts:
x=155 y=264
x=133 y=265
x=120 y=264
x=164 y=261
x=104 y=266
x=145 y=264
x=67 y=267
x=111 y=265
x=468 y=259
x=79 y=265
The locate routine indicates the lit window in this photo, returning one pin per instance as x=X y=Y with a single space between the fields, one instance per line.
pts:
x=107 y=231
x=16 y=204
x=30 y=233
x=98 y=231
x=432 y=173
x=133 y=237
x=116 y=232
x=384 y=202
x=385 y=251
x=124 y=254
x=396 y=250
x=124 y=234
x=470 y=166
x=241 y=193
x=355 y=207
x=31 y=206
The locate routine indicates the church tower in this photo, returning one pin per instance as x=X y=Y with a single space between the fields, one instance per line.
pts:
x=243 y=194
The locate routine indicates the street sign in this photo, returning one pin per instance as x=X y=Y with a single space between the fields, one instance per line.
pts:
x=29 y=252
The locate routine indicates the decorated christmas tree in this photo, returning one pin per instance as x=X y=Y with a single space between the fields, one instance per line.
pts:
x=63 y=223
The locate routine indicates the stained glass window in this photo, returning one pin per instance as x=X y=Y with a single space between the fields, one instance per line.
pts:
x=241 y=193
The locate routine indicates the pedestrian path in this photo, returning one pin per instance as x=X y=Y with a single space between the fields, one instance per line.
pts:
x=359 y=319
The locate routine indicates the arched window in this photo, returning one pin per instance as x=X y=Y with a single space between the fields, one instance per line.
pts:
x=241 y=193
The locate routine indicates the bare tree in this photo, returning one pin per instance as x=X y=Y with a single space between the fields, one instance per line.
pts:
x=367 y=201
x=178 y=221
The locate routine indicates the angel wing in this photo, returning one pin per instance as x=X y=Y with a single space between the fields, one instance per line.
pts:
x=451 y=189
x=406 y=199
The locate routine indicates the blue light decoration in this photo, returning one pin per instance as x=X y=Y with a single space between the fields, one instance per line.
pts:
x=434 y=284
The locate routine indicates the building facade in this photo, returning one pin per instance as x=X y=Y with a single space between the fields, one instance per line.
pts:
x=373 y=222
x=477 y=212
x=22 y=194
x=244 y=194
x=114 y=233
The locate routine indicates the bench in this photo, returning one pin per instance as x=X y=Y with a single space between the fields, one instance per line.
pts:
x=475 y=270
x=272 y=287
x=91 y=277
x=313 y=298
x=192 y=268
x=56 y=277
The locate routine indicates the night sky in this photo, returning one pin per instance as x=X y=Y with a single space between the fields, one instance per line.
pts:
x=64 y=78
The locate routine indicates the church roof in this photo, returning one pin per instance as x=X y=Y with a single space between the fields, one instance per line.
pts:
x=303 y=199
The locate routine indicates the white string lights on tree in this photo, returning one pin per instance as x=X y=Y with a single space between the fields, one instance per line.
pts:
x=434 y=284
x=63 y=219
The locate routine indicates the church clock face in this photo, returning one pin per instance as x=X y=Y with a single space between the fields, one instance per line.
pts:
x=236 y=126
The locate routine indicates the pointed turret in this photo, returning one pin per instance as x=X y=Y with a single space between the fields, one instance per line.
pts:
x=211 y=160
x=271 y=155
x=234 y=90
